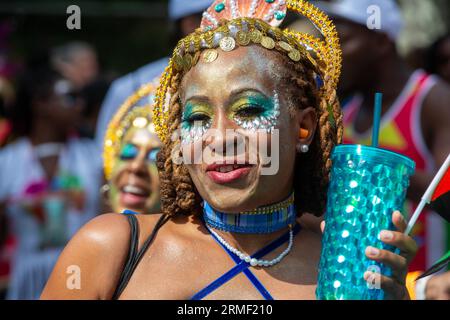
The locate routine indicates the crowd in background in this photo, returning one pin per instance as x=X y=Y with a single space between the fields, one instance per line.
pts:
x=55 y=107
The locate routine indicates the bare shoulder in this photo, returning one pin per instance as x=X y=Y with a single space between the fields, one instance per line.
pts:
x=114 y=229
x=107 y=226
x=90 y=264
x=179 y=230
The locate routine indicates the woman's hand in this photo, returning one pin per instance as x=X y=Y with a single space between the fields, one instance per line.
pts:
x=393 y=286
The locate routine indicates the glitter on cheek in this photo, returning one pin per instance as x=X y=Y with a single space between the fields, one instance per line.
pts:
x=191 y=133
x=193 y=130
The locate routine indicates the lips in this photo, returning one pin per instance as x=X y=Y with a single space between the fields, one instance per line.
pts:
x=133 y=189
x=226 y=173
x=133 y=195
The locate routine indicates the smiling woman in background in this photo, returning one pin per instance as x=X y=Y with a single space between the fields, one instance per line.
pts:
x=130 y=150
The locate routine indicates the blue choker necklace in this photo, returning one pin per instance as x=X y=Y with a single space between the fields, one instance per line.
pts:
x=260 y=220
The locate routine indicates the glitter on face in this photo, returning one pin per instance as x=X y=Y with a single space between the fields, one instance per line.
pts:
x=196 y=120
x=129 y=151
x=256 y=112
x=251 y=111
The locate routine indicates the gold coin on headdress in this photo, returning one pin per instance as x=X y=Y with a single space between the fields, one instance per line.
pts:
x=268 y=43
x=256 y=36
x=295 y=55
x=179 y=62
x=285 y=46
x=210 y=55
x=227 y=44
x=242 y=38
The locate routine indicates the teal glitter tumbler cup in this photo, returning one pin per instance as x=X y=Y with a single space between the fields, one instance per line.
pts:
x=367 y=185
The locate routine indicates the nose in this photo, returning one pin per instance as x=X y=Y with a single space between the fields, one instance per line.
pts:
x=138 y=165
x=225 y=136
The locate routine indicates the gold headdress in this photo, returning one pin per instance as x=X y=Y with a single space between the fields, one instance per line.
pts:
x=129 y=115
x=230 y=23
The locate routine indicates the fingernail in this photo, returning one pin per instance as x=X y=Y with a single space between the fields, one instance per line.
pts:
x=386 y=235
x=399 y=215
x=372 y=251
x=368 y=275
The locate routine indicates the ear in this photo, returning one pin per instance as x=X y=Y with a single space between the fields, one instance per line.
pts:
x=306 y=125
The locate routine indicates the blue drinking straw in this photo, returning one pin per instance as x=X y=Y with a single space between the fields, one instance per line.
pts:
x=377 y=118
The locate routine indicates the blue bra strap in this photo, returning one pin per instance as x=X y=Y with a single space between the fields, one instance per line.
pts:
x=258 y=285
x=126 y=211
x=241 y=266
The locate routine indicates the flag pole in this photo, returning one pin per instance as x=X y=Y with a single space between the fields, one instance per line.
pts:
x=426 y=198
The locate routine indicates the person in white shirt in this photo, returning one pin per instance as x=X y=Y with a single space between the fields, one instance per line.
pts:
x=49 y=180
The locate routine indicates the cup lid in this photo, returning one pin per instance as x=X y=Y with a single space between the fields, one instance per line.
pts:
x=377 y=154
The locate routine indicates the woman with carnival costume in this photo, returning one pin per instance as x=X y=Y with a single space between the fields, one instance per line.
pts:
x=236 y=221
x=130 y=150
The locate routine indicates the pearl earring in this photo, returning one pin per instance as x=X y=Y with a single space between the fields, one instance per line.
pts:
x=303 y=148
x=104 y=191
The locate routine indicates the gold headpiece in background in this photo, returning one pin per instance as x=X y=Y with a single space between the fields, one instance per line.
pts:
x=231 y=23
x=129 y=115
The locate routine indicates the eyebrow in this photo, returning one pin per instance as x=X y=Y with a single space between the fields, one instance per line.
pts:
x=199 y=98
x=235 y=94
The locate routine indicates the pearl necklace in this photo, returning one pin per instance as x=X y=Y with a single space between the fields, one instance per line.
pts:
x=252 y=261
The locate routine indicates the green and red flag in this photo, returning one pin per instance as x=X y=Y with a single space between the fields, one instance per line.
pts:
x=438 y=198
x=438 y=194
x=438 y=266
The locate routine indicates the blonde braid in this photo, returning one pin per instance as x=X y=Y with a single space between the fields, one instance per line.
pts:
x=178 y=194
